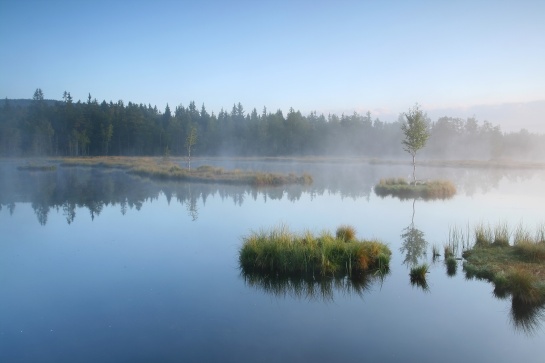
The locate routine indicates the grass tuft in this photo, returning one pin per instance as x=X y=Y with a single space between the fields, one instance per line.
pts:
x=284 y=253
x=501 y=234
x=452 y=266
x=418 y=275
x=346 y=233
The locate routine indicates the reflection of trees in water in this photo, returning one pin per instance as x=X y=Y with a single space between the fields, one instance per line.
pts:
x=414 y=245
x=69 y=189
x=312 y=287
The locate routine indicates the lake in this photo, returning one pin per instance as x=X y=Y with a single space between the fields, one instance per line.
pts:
x=100 y=266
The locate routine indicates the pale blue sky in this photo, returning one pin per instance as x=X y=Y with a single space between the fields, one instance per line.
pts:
x=328 y=56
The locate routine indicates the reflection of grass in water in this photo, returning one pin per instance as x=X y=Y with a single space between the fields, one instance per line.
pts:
x=527 y=316
x=399 y=187
x=281 y=252
x=312 y=287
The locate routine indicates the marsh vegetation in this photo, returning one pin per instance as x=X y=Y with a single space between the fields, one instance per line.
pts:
x=401 y=188
x=280 y=252
x=516 y=268
x=165 y=169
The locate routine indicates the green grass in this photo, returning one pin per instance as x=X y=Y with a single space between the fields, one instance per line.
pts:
x=518 y=270
x=501 y=234
x=484 y=235
x=281 y=252
x=418 y=275
x=401 y=188
x=164 y=169
x=346 y=233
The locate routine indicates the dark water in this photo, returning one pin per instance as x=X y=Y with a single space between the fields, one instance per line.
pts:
x=100 y=266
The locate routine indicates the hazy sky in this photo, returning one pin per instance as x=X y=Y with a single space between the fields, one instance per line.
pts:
x=328 y=56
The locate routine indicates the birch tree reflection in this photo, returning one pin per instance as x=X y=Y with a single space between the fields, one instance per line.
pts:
x=414 y=245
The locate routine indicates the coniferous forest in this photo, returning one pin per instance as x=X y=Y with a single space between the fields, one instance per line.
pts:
x=41 y=127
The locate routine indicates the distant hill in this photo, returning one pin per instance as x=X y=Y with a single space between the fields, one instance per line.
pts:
x=24 y=102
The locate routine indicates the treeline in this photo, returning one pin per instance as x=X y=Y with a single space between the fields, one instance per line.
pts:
x=68 y=128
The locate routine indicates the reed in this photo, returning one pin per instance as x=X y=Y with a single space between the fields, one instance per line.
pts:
x=283 y=253
x=501 y=234
x=522 y=235
x=483 y=235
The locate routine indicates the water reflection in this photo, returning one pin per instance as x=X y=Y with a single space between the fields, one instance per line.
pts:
x=525 y=315
x=91 y=188
x=68 y=189
x=414 y=245
x=315 y=288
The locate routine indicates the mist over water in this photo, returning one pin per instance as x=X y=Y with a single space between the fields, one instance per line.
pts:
x=100 y=265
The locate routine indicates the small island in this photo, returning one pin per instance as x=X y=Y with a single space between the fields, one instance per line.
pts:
x=517 y=269
x=165 y=169
x=280 y=252
x=401 y=188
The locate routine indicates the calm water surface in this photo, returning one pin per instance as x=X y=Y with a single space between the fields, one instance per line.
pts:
x=99 y=266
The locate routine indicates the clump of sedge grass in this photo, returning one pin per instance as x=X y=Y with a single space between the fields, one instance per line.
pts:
x=452 y=265
x=483 y=235
x=522 y=235
x=435 y=253
x=284 y=253
x=346 y=233
x=540 y=233
x=501 y=234
x=524 y=286
x=418 y=275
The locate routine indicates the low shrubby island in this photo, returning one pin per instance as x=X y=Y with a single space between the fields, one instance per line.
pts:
x=401 y=188
x=279 y=252
x=167 y=170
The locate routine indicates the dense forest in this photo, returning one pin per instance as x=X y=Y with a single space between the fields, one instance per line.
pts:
x=68 y=128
